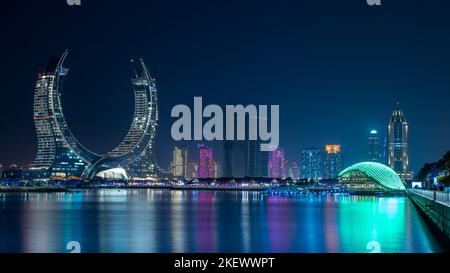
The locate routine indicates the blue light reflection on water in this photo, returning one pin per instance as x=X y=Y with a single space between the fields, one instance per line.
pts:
x=207 y=221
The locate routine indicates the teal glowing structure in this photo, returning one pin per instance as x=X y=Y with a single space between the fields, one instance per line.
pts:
x=370 y=176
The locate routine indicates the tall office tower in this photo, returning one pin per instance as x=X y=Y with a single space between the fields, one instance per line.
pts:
x=293 y=170
x=217 y=170
x=205 y=162
x=384 y=148
x=311 y=164
x=257 y=160
x=179 y=162
x=374 y=153
x=234 y=158
x=277 y=164
x=192 y=169
x=398 y=154
x=333 y=161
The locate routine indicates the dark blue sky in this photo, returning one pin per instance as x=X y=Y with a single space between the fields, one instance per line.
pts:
x=336 y=68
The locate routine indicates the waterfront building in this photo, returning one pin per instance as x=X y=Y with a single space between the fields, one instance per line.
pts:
x=62 y=156
x=179 y=162
x=217 y=170
x=205 y=162
x=277 y=164
x=293 y=170
x=234 y=158
x=257 y=160
x=192 y=169
x=311 y=161
x=374 y=153
x=333 y=161
x=398 y=150
x=370 y=177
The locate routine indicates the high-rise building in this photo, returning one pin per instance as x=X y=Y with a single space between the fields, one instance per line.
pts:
x=205 y=162
x=257 y=160
x=234 y=158
x=398 y=150
x=217 y=170
x=179 y=162
x=333 y=161
x=311 y=164
x=277 y=164
x=293 y=170
x=375 y=147
x=192 y=169
x=61 y=155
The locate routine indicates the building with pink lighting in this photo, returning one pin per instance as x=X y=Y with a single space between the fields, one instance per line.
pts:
x=206 y=164
x=277 y=164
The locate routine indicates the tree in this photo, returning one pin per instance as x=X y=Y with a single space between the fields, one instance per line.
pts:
x=423 y=173
x=445 y=181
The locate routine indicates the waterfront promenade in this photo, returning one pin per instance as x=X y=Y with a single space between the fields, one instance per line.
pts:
x=435 y=206
x=437 y=196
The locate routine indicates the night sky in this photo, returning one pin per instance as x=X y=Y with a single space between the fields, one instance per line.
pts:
x=336 y=68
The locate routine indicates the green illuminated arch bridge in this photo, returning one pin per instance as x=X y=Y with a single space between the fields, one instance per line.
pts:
x=375 y=172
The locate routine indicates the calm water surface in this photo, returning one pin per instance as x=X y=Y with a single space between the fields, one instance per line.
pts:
x=206 y=221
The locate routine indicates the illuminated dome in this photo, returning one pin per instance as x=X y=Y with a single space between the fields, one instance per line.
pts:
x=371 y=175
x=115 y=173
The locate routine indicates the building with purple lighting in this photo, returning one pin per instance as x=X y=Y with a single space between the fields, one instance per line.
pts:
x=206 y=162
x=277 y=164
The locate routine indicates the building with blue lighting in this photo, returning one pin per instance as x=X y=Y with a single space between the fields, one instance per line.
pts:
x=62 y=156
x=374 y=154
x=311 y=164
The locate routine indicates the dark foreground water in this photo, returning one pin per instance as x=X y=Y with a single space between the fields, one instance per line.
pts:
x=205 y=221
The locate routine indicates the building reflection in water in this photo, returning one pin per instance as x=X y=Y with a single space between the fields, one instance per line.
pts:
x=206 y=221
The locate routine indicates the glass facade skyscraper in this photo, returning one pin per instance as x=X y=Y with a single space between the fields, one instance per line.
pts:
x=234 y=158
x=398 y=150
x=311 y=162
x=62 y=156
x=374 y=154
x=333 y=161
x=257 y=160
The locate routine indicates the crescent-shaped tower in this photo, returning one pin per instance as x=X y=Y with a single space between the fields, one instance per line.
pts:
x=61 y=155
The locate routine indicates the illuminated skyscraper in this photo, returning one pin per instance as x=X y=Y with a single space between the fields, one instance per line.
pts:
x=192 y=169
x=179 y=162
x=61 y=155
x=398 y=153
x=54 y=155
x=374 y=153
x=277 y=164
x=205 y=162
x=311 y=164
x=217 y=170
x=333 y=161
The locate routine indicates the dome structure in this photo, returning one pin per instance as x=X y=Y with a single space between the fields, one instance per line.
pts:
x=371 y=176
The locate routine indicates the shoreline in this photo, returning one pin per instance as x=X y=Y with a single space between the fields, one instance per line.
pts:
x=43 y=190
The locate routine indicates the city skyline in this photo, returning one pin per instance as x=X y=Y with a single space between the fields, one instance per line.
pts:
x=322 y=90
x=60 y=155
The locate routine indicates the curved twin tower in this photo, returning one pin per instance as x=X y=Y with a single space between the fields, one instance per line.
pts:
x=59 y=152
